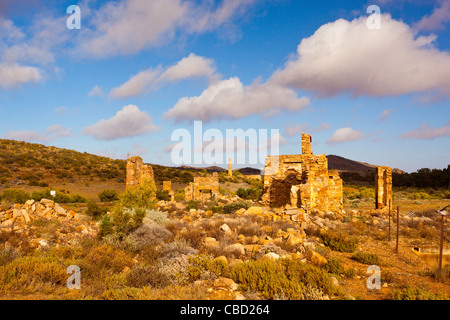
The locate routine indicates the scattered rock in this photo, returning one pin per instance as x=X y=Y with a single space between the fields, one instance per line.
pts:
x=316 y=259
x=225 y=284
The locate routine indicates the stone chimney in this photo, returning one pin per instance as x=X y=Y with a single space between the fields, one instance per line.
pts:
x=230 y=168
x=306 y=143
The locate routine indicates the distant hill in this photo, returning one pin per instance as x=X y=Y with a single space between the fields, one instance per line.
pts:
x=346 y=165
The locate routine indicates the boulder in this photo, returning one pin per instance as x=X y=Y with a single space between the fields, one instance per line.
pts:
x=235 y=248
x=254 y=210
x=222 y=283
x=316 y=259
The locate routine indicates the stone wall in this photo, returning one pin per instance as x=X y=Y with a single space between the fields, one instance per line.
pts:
x=383 y=187
x=196 y=190
x=302 y=181
x=167 y=186
x=137 y=172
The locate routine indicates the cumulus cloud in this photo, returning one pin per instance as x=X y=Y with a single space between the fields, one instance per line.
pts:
x=129 y=26
x=13 y=75
x=425 y=132
x=231 y=99
x=345 y=135
x=145 y=81
x=51 y=133
x=348 y=57
x=128 y=122
x=438 y=18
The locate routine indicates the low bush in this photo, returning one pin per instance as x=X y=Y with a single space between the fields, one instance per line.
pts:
x=233 y=207
x=94 y=210
x=338 y=241
x=284 y=279
x=121 y=222
x=146 y=276
x=108 y=195
x=163 y=195
x=416 y=293
x=15 y=196
x=149 y=235
x=366 y=258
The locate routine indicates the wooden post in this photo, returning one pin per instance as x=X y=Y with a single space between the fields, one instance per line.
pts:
x=398 y=228
x=390 y=206
x=441 y=244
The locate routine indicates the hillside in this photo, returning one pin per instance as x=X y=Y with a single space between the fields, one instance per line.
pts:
x=24 y=164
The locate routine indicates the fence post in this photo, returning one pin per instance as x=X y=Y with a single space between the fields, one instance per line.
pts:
x=441 y=244
x=390 y=207
x=398 y=228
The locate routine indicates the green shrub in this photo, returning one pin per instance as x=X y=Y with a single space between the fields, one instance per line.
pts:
x=285 y=279
x=249 y=194
x=108 y=195
x=122 y=222
x=233 y=207
x=142 y=196
x=15 y=196
x=366 y=258
x=416 y=293
x=94 y=210
x=334 y=266
x=338 y=241
x=163 y=195
x=193 y=204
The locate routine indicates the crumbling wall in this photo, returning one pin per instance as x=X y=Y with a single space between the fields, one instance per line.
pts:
x=137 y=172
x=203 y=188
x=302 y=181
x=167 y=186
x=383 y=187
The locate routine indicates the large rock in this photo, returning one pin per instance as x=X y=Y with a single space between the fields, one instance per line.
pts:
x=235 y=248
x=316 y=259
x=254 y=210
x=222 y=283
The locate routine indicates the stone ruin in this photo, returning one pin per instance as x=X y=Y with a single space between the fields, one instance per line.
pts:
x=167 y=186
x=383 y=187
x=302 y=181
x=203 y=188
x=137 y=172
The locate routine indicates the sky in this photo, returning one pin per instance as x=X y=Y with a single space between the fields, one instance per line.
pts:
x=140 y=77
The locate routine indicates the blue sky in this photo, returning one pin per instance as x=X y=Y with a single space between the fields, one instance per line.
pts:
x=372 y=88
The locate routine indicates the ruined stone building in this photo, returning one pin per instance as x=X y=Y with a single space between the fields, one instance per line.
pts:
x=302 y=181
x=167 y=186
x=383 y=187
x=137 y=172
x=230 y=168
x=203 y=188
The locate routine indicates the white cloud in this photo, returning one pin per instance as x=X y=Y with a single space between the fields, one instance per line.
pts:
x=192 y=66
x=148 y=80
x=425 y=132
x=385 y=114
x=128 y=122
x=438 y=18
x=51 y=133
x=129 y=26
x=347 y=57
x=138 y=84
x=231 y=99
x=12 y=75
x=345 y=135
x=96 y=92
